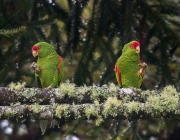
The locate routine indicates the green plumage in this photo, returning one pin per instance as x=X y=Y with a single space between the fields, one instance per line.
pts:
x=51 y=68
x=127 y=65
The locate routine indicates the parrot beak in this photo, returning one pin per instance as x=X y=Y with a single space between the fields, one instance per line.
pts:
x=138 y=49
x=35 y=53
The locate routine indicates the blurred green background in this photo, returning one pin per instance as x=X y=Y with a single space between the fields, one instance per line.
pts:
x=89 y=35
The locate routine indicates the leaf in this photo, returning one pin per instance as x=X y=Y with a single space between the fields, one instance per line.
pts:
x=43 y=126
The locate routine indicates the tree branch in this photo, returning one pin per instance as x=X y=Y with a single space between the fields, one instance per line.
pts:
x=68 y=94
x=92 y=102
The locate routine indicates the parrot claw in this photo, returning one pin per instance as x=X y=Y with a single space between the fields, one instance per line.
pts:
x=33 y=65
x=142 y=68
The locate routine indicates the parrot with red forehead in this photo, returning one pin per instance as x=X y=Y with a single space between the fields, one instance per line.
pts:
x=129 y=70
x=49 y=68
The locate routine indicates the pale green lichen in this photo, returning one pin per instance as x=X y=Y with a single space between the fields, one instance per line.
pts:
x=91 y=111
x=29 y=93
x=67 y=88
x=10 y=113
x=96 y=103
x=83 y=90
x=169 y=98
x=62 y=111
x=132 y=107
x=99 y=120
x=112 y=89
x=35 y=108
x=166 y=101
x=111 y=106
x=17 y=86
x=95 y=93
x=170 y=90
x=146 y=93
x=15 y=104
x=153 y=104
x=126 y=99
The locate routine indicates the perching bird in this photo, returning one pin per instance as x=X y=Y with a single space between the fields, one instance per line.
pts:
x=129 y=70
x=50 y=67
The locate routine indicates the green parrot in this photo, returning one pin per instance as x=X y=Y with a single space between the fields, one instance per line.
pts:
x=129 y=70
x=49 y=69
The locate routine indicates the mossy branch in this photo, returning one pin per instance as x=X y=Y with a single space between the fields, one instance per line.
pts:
x=68 y=93
x=92 y=102
x=66 y=112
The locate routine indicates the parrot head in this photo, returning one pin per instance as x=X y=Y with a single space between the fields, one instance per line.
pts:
x=131 y=48
x=42 y=49
x=136 y=46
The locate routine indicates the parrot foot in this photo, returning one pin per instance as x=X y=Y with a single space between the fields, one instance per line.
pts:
x=142 y=65
x=34 y=65
x=142 y=68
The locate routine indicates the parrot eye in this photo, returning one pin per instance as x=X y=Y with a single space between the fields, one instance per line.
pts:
x=131 y=46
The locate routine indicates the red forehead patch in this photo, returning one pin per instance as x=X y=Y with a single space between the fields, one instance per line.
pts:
x=135 y=44
x=36 y=48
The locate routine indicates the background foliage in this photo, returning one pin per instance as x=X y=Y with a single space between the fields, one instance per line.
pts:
x=89 y=35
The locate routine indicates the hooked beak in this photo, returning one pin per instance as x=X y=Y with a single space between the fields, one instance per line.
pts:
x=138 y=49
x=35 y=53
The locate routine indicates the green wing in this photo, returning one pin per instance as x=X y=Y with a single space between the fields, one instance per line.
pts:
x=58 y=73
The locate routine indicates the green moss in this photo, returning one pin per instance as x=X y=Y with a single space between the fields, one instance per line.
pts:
x=91 y=111
x=10 y=113
x=62 y=111
x=17 y=86
x=67 y=88
x=111 y=106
